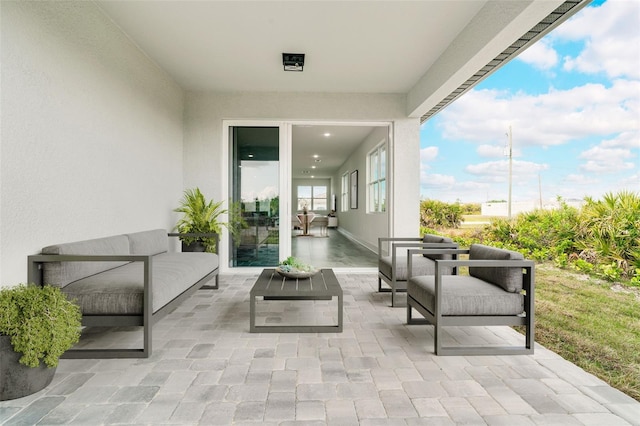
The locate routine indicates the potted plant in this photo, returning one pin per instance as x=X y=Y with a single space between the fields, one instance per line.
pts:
x=202 y=217
x=37 y=325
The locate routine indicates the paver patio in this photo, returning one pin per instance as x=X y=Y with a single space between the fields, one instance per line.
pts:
x=207 y=368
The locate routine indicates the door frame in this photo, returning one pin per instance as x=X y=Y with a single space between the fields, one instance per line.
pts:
x=285 y=177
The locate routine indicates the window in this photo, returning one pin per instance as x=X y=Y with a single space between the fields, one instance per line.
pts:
x=377 y=180
x=312 y=197
x=344 y=200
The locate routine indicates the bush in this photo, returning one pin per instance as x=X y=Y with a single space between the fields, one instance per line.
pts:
x=608 y=232
x=438 y=215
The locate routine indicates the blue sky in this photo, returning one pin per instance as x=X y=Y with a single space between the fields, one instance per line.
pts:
x=573 y=103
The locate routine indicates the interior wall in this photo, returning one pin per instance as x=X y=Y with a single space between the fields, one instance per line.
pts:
x=205 y=112
x=357 y=223
x=92 y=132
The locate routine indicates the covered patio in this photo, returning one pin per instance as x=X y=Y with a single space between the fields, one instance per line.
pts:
x=207 y=369
x=111 y=109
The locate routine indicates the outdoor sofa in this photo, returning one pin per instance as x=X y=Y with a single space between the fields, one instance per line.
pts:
x=123 y=280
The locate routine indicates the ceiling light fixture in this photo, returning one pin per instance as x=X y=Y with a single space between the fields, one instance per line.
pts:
x=293 y=61
x=326 y=135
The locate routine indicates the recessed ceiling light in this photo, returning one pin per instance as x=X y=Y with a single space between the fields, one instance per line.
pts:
x=326 y=135
x=313 y=167
x=250 y=155
x=315 y=155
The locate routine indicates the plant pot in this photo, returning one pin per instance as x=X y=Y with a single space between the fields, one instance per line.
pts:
x=17 y=380
x=197 y=246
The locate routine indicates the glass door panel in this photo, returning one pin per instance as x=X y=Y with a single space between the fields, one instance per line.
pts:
x=255 y=192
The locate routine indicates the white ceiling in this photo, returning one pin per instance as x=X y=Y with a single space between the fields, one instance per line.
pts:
x=350 y=46
x=424 y=49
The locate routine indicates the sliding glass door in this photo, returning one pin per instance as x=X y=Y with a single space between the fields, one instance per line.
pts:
x=255 y=194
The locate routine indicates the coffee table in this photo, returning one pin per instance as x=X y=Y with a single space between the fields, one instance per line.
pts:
x=271 y=286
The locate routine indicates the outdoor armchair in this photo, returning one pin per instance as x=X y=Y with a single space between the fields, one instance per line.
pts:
x=499 y=290
x=392 y=260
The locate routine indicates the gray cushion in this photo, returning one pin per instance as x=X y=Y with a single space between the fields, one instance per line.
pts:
x=62 y=273
x=464 y=295
x=420 y=266
x=509 y=279
x=149 y=242
x=120 y=290
x=431 y=238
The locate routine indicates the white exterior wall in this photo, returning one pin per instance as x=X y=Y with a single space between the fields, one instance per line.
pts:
x=91 y=132
x=205 y=112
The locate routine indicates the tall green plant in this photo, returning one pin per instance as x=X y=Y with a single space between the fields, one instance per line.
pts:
x=201 y=216
x=609 y=231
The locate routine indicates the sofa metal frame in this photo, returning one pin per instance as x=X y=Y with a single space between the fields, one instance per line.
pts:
x=439 y=321
x=146 y=319
x=403 y=243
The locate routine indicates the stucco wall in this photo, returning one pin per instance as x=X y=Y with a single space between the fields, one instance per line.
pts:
x=205 y=112
x=91 y=132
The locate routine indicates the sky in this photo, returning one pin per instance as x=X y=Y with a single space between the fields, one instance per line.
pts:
x=572 y=101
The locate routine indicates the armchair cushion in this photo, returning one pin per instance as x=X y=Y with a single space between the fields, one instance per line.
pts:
x=420 y=266
x=430 y=238
x=465 y=295
x=510 y=279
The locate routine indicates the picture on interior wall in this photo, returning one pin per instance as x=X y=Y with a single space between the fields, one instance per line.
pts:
x=353 y=183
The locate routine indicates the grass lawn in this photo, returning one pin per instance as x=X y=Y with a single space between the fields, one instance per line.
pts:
x=592 y=323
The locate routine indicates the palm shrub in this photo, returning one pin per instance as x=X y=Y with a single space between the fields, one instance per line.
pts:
x=609 y=233
x=202 y=216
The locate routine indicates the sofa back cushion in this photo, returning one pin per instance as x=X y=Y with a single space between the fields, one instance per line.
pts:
x=510 y=279
x=62 y=273
x=148 y=242
x=431 y=238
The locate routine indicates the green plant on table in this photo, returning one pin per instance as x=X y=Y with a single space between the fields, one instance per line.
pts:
x=41 y=322
x=294 y=264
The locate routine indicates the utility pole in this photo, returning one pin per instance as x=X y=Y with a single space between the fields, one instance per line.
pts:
x=510 y=170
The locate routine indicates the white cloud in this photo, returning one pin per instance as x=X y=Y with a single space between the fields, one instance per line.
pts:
x=498 y=171
x=428 y=153
x=497 y=151
x=553 y=118
x=601 y=159
x=611 y=39
x=629 y=140
x=541 y=55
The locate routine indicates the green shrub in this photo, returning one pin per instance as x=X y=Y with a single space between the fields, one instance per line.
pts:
x=438 y=215
x=41 y=322
x=609 y=229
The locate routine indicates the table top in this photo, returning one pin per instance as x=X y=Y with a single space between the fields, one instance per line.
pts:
x=270 y=283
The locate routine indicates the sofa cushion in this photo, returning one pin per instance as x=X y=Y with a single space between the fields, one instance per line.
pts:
x=148 y=242
x=420 y=266
x=62 y=273
x=120 y=290
x=431 y=238
x=465 y=295
x=509 y=279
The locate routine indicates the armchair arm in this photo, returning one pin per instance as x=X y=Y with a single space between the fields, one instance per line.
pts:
x=394 y=239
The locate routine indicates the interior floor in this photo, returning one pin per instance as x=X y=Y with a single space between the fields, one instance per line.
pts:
x=333 y=250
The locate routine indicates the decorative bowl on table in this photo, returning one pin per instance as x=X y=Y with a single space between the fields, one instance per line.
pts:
x=294 y=268
x=294 y=273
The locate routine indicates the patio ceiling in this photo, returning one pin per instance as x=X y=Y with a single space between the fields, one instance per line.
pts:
x=430 y=51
